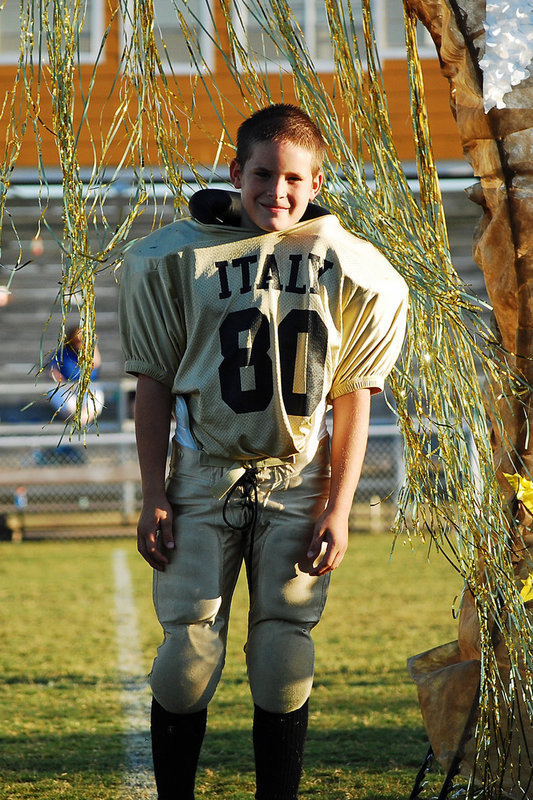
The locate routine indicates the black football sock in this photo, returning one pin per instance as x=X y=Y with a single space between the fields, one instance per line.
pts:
x=279 y=741
x=176 y=744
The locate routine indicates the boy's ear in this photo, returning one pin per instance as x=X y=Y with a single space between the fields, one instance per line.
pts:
x=316 y=186
x=235 y=173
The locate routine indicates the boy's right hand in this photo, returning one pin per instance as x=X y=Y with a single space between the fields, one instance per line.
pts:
x=154 y=533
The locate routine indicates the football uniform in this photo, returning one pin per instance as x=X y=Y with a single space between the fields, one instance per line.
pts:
x=257 y=332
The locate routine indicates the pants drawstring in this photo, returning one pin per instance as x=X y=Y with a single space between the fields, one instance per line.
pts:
x=247 y=483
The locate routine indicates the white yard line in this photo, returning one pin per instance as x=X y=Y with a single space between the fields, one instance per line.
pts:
x=135 y=696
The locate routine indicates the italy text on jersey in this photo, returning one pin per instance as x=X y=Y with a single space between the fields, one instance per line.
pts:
x=268 y=274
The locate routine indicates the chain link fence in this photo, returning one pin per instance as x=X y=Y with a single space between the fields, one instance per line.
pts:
x=54 y=487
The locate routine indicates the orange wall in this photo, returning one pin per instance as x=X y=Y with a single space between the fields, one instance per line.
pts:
x=201 y=144
x=444 y=135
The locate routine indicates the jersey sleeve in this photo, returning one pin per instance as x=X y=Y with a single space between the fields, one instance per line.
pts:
x=149 y=318
x=373 y=330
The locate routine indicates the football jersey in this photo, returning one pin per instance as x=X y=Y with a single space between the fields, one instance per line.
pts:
x=259 y=331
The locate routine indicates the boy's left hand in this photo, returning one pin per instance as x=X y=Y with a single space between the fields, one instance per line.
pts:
x=329 y=543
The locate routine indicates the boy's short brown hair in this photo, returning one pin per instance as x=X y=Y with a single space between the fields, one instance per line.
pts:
x=280 y=123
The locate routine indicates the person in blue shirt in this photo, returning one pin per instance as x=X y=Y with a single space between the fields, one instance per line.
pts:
x=65 y=371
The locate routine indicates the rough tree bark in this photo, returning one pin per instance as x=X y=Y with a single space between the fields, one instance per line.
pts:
x=499 y=146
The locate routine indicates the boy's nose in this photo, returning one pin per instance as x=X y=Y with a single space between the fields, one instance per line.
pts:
x=277 y=188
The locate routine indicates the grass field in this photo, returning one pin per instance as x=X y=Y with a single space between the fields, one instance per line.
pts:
x=66 y=713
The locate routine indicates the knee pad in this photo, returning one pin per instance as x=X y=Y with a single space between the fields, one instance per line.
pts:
x=281 y=657
x=187 y=668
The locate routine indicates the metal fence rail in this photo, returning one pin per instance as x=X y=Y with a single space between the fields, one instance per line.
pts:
x=50 y=485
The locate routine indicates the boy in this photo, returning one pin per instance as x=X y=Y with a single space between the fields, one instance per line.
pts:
x=254 y=313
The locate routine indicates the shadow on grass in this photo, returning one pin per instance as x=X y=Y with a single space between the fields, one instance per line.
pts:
x=365 y=748
x=359 y=748
x=47 y=756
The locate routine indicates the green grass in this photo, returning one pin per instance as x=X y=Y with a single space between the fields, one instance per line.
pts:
x=62 y=731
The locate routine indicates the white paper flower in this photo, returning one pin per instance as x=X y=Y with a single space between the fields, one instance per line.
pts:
x=508 y=58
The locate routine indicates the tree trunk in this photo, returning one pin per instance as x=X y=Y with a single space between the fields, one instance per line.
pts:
x=499 y=146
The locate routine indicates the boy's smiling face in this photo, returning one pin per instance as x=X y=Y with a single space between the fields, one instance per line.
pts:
x=276 y=184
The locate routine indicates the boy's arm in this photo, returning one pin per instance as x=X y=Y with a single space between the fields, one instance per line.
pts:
x=153 y=407
x=351 y=416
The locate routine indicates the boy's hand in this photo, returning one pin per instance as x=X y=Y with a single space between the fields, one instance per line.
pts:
x=329 y=542
x=154 y=533
x=351 y=415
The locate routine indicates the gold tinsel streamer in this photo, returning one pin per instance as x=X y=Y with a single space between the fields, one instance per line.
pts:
x=450 y=494
x=14 y=115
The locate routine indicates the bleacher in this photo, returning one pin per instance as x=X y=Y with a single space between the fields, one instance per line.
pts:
x=49 y=485
x=22 y=323
x=35 y=286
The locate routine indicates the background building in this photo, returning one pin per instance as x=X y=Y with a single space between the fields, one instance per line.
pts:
x=206 y=21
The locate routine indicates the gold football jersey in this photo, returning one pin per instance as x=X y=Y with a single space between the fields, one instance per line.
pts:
x=260 y=331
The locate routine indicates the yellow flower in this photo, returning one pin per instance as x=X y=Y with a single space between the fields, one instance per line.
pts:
x=523 y=489
x=527 y=589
